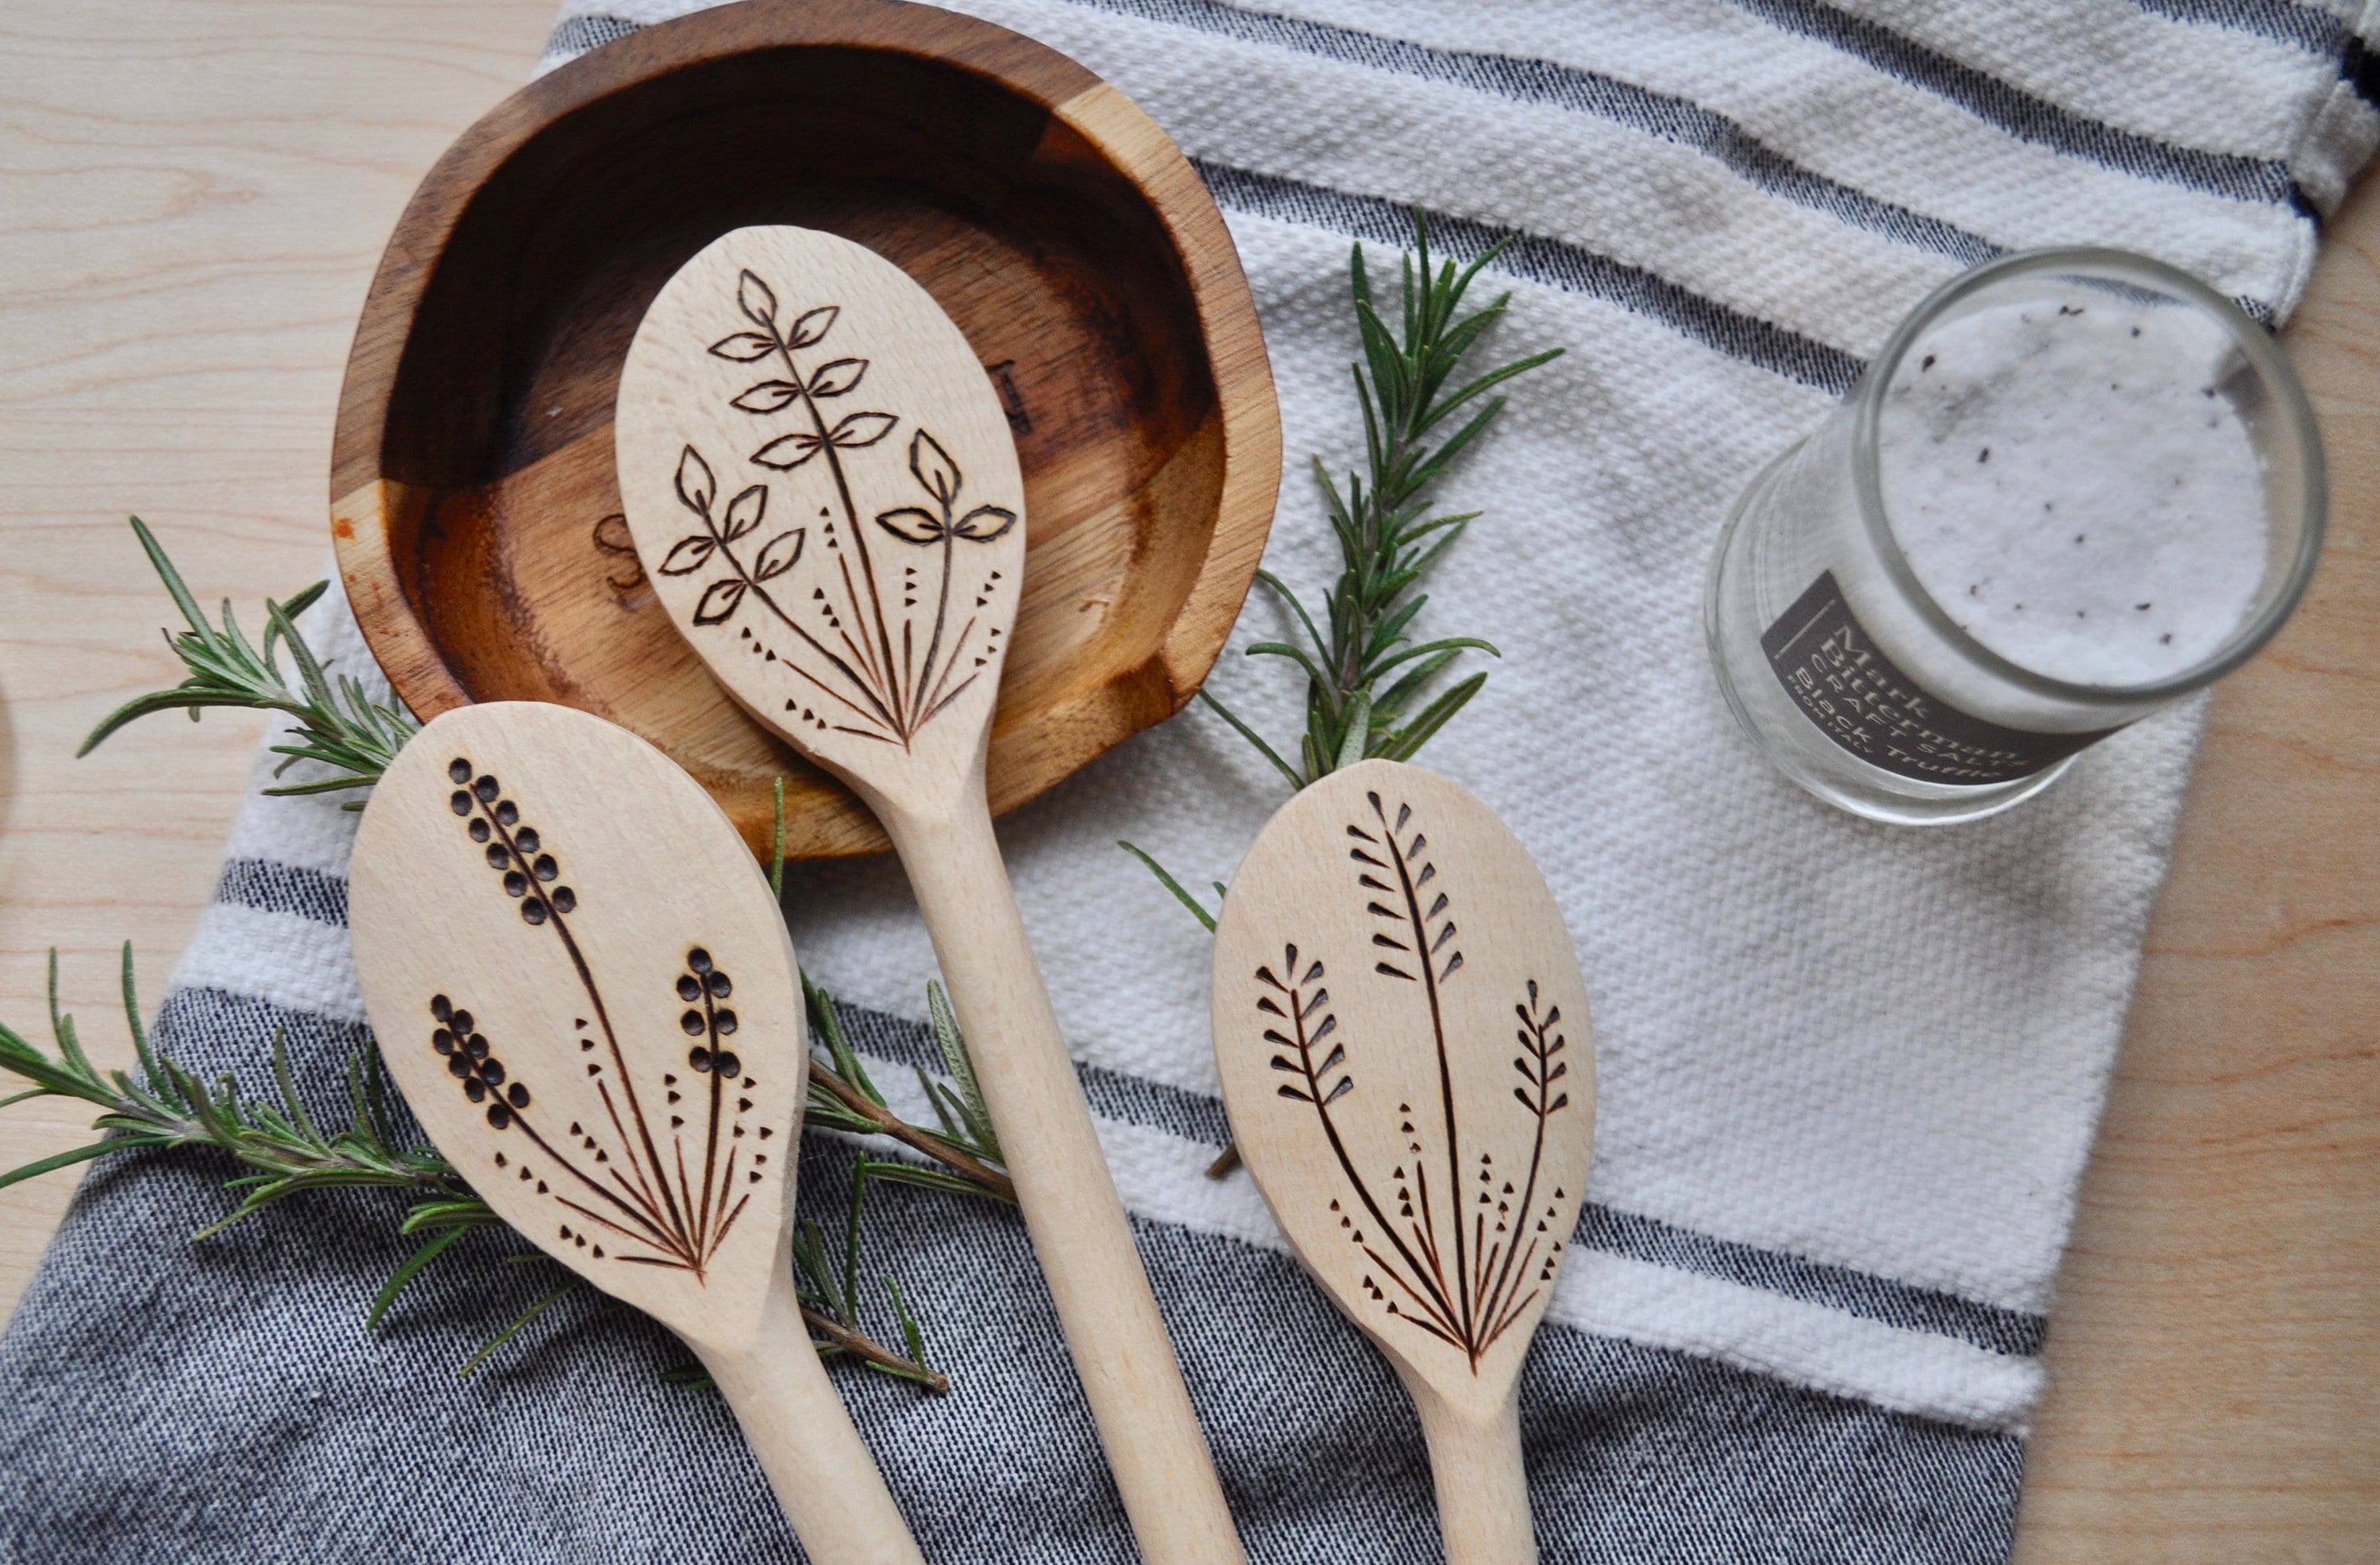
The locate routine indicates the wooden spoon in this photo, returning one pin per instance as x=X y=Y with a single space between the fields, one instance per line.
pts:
x=1402 y=1030
x=824 y=491
x=582 y=985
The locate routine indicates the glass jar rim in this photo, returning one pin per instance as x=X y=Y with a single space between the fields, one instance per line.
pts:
x=2262 y=349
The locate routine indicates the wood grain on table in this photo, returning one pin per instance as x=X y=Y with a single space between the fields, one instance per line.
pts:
x=192 y=197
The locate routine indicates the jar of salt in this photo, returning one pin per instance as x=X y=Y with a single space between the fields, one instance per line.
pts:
x=2074 y=487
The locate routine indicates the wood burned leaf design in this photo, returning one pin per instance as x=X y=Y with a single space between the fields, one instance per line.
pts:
x=912 y=524
x=1316 y=1083
x=983 y=524
x=1540 y=1070
x=609 y=1174
x=779 y=555
x=857 y=430
x=743 y=512
x=768 y=396
x=857 y=652
x=1469 y=1249
x=694 y=483
x=1419 y=935
x=744 y=346
x=688 y=555
x=758 y=300
x=940 y=477
x=934 y=468
x=719 y=599
x=837 y=376
x=788 y=452
x=811 y=326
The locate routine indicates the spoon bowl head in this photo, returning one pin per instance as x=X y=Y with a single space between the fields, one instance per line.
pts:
x=823 y=489
x=1400 y=1026
x=581 y=984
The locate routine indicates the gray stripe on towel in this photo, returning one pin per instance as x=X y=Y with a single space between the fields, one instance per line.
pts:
x=2026 y=117
x=1528 y=80
x=1540 y=259
x=267 y=887
x=1196 y=1117
x=239 y=1367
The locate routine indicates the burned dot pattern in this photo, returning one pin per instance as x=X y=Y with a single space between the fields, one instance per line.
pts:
x=705 y=1127
x=515 y=851
x=705 y=982
x=473 y=1064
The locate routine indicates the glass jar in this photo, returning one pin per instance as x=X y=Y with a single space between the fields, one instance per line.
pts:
x=1880 y=654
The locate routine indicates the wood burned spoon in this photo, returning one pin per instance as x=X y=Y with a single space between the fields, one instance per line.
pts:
x=1402 y=1030
x=824 y=491
x=583 y=986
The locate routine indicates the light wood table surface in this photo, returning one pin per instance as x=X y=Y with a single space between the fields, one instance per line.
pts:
x=192 y=197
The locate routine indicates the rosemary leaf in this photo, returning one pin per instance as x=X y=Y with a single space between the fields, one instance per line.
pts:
x=1364 y=670
x=336 y=724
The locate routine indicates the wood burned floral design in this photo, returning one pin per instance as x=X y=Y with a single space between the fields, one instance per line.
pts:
x=645 y=1184
x=1459 y=1247
x=873 y=662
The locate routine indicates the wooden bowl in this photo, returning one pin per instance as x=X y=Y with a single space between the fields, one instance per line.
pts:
x=474 y=504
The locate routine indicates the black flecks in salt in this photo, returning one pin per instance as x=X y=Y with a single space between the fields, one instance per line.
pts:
x=2143 y=607
x=1985 y=454
x=1926 y=364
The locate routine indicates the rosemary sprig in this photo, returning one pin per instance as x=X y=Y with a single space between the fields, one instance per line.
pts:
x=1371 y=690
x=338 y=723
x=288 y=1153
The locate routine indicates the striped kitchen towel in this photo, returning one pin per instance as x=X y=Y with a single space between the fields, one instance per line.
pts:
x=1849 y=1073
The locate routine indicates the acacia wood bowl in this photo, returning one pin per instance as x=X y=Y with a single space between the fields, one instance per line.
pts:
x=474 y=503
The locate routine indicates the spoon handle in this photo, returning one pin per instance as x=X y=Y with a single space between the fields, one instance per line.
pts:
x=1068 y=1196
x=797 y=1428
x=1483 y=1493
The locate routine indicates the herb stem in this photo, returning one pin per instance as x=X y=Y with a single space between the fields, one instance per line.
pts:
x=829 y=1331
x=884 y=1121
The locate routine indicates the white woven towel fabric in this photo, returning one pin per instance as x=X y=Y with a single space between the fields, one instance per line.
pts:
x=1823 y=1043
x=1849 y=1073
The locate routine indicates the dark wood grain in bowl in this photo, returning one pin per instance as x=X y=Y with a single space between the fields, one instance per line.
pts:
x=474 y=502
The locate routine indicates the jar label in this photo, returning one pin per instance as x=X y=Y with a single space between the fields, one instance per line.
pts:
x=1843 y=683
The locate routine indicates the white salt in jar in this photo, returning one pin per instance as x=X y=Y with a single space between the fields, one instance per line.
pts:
x=2074 y=487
